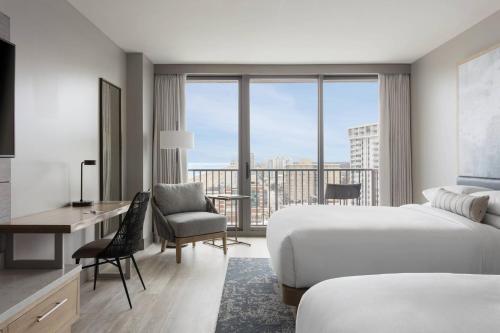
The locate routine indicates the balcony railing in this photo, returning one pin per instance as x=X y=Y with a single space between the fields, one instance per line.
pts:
x=272 y=189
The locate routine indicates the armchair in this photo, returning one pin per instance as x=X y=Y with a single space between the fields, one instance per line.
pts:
x=183 y=214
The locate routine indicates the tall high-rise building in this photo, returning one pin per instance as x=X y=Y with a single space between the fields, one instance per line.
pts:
x=365 y=154
x=364 y=146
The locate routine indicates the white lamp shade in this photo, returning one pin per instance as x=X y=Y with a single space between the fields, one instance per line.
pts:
x=176 y=139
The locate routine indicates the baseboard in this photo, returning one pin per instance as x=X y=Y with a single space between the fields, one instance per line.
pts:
x=1 y=261
x=147 y=241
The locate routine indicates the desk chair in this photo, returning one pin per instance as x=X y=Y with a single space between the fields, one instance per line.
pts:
x=123 y=245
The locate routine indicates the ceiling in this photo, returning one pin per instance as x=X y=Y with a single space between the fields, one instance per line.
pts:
x=283 y=31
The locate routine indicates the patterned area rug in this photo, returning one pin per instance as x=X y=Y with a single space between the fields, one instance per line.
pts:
x=251 y=301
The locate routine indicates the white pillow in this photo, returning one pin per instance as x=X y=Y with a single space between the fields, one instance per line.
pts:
x=430 y=193
x=493 y=220
x=493 y=203
x=472 y=207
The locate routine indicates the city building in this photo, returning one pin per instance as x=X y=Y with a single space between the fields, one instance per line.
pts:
x=364 y=142
x=365 y=154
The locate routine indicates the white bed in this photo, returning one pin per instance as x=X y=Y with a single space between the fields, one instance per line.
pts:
x=310 y=244
x=402 y=303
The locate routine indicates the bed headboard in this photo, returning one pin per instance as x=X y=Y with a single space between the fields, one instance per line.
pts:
x=492 y=183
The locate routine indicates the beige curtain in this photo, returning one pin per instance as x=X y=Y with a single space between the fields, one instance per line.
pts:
x=395 y=140
x=169 y=115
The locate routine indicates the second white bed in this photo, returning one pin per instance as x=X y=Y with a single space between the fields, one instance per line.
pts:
x=396 y=303
x=314 y=243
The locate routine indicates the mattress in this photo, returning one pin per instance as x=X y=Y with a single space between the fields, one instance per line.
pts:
x=402 y=303
x=310 y=244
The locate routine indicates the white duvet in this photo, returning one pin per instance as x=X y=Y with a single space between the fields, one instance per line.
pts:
x=310 y=244
x=402 y=303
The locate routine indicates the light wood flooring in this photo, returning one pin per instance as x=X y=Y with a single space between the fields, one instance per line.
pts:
x=179 y=297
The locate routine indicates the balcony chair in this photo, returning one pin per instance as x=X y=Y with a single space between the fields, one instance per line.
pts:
x=183 y=214
x=343 y=192
x=123 y=245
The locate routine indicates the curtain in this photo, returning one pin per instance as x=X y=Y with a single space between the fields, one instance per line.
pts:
x=395 y=140
x=169 y=165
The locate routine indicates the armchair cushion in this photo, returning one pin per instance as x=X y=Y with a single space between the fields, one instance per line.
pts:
x=196 y=223
x=177 y=198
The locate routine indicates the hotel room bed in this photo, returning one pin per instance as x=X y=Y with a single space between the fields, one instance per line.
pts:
x=311 y=244
x=395 y=303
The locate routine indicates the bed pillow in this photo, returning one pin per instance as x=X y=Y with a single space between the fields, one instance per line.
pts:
x=493 y=203
x=493 y=220
x=430 y=193
x=472 y=207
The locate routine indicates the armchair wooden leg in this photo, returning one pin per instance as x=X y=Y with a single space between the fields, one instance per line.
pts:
x=163 y=245
x=194 y=244
x=178 y=249
x=224 y=243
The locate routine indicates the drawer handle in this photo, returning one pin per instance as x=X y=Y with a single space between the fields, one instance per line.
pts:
x=58 y=304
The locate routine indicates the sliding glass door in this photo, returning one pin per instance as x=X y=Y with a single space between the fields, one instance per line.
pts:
x=351 y=136
x=212 y=108
x=283 y=135
x=281 y=140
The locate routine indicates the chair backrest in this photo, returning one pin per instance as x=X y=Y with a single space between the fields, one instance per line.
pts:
x=127 y=239
x=180 y=198
x=342 y=191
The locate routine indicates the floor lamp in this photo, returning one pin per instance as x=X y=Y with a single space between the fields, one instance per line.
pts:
x=176 y=140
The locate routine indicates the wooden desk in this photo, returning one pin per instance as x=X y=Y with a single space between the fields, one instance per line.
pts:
x=58 y=222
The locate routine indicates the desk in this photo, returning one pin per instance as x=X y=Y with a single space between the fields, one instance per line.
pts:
x=59 y=221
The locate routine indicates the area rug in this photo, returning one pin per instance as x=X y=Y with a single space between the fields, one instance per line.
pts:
x=251 y=301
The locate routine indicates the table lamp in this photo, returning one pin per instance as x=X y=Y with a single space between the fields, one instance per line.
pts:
x=83 y=203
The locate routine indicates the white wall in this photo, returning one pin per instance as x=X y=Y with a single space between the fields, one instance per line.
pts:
x=434 y=105
x=60 y=58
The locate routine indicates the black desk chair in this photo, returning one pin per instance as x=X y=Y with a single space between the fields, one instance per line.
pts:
x=123 y=245
x=343 y=192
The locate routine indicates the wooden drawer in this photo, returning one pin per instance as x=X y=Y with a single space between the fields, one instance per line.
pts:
x=55 y=313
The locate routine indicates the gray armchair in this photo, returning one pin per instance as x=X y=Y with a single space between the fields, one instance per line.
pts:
x=183 y=214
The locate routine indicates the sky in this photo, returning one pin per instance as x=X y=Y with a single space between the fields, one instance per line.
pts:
x=283 y=119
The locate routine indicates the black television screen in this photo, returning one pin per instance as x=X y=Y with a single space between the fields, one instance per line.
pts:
x=7 y=74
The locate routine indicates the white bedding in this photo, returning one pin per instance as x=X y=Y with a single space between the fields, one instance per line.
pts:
x=310 y=244
x=402 y=303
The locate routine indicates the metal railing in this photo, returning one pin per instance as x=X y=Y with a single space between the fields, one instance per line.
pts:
x=272 y=189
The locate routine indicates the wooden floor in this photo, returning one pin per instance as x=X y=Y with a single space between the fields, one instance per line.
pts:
x=179 y=298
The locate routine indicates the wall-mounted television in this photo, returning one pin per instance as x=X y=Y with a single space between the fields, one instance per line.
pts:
x=7 y=109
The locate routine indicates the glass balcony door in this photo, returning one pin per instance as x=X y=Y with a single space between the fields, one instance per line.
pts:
x=212 y=114
x=351 y=136
x=283 y=145
x=282 y=140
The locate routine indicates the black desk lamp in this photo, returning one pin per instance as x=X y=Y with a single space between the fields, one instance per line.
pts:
x=82 y=203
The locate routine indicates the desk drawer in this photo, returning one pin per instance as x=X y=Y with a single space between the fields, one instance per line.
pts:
x=53 y=314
